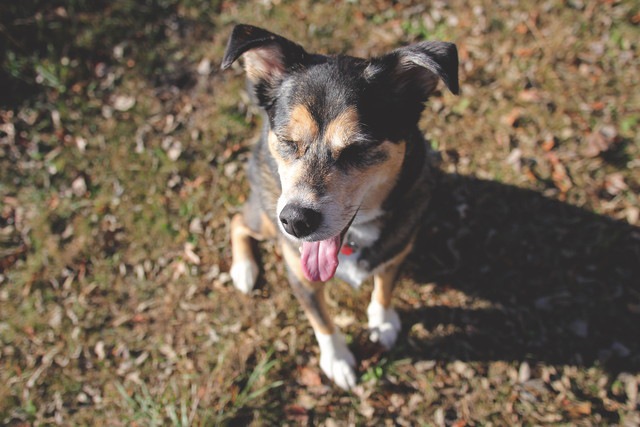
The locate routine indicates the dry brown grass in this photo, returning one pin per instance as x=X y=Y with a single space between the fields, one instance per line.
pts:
x=121 y=162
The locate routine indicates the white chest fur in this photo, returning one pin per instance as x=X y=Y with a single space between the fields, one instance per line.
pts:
x=364 y=233
x=349 y=271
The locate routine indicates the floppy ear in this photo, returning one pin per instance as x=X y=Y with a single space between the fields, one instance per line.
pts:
x=267 y=58
x=408 y=75
x=420 y=66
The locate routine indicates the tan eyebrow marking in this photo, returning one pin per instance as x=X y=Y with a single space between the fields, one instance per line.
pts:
x=341 y=130
x=291 y=173
x=302 y=125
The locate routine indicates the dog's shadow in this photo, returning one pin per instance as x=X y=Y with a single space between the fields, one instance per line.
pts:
x=541 y=280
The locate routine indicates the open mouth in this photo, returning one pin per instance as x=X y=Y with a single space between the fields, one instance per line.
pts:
x=320 y=259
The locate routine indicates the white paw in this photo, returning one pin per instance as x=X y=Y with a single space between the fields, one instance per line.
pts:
x=336 y=361
x=244 y=274
x=384 y=324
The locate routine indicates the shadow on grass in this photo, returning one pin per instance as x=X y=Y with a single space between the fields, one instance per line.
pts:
x=564 y=282
x=54 y=47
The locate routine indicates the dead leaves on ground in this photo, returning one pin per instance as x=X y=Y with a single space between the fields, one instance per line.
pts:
x=546 y=105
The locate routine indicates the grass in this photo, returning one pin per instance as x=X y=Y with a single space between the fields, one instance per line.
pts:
x=121 y=161
x=171 y=408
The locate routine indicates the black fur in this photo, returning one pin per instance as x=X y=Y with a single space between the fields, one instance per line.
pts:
x=389 y=94
x=389 y=91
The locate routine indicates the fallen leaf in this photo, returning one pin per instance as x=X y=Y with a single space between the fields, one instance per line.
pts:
x=599 y=141
x=548 y=143
x=79 y=186
x=577 y=409
x=530 y=95
x=514 y=159
x=559 y=175
x=521 y=28
x=99 y=350
x=632 y=214
x=463 y=369
x=614 y=183
x=195 y=226
x=175 y=150
x=396 y=400
x=425 y=365
x=231 y=150
x=524 y=373
x=204 y=67
x=512 y=117
x=620 y=349
x=81 y=143
x=309 y=377
x=179 y=268
x=138 y=318
x=343 y=320
x=190 y=255
x=366 y=409
x=524 y=52
x=580 y=328
x=295 y=411
x=123 y=102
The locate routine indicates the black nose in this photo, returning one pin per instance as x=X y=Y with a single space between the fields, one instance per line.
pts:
x=299 y=221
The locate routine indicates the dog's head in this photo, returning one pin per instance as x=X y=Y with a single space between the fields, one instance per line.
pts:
x=337 y=126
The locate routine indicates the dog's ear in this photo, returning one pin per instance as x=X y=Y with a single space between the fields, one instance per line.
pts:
x=267 y=58
x=401 y=81
x=413 y=71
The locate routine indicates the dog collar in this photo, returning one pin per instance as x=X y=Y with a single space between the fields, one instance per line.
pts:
x=348 y=248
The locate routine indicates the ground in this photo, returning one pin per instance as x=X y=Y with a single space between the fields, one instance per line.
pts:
x=122 y=152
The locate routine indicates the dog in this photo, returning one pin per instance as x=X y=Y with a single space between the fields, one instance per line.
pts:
x=341 y=176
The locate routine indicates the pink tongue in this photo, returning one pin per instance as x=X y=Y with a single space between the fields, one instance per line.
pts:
x=320 y=259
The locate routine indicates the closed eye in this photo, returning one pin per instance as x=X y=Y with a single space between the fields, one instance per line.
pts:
x=289 y=143
x=361 y=155
x=288 y=146
x=352 y=154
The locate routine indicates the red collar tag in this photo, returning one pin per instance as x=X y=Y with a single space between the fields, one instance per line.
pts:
x=346 y=249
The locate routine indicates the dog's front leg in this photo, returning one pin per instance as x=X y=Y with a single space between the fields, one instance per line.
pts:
x=244 y=270
x=384 y=322
x=336 y=360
